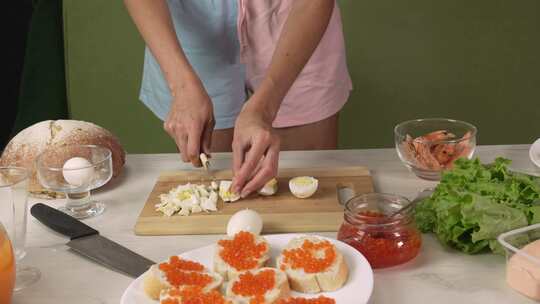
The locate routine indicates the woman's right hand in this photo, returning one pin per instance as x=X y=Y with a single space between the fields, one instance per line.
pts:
x=190 y=121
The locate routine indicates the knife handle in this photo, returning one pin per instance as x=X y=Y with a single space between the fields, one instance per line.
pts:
x=61 y=222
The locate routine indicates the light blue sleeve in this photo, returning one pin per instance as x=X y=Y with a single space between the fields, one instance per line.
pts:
x=208 y=35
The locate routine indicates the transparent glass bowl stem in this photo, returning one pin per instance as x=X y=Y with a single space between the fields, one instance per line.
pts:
x=76 y=170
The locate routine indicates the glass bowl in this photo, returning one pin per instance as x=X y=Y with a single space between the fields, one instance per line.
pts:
x=429 y=146
x=75 y=170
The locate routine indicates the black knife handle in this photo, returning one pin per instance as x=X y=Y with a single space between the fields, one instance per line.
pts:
x=61 y=222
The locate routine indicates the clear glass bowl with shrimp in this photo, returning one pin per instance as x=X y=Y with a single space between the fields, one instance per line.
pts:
x=429 y=146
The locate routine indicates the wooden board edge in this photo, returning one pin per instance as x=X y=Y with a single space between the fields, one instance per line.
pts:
x=284 y=172
x=310 y=222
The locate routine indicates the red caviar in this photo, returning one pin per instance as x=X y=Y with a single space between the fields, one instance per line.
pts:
x=255 y=285
x=194 y=295
x=242 y=252
x=319 y=300
x=180 y=264
x=384 y=242
x=304 y=257
x=183 y=272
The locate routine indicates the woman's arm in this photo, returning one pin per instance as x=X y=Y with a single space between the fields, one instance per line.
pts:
x=191 y=115
x=254 y=136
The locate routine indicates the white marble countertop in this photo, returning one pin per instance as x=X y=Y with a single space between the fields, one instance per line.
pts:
x=437 y=275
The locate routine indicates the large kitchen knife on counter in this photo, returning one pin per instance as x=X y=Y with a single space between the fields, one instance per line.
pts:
x=88 y=242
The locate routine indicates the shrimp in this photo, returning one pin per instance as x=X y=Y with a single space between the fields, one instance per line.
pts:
x=462 y=149
x=424 y=156
x=439 y=135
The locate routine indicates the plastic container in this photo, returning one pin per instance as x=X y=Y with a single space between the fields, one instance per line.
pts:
x=384 y=241
x=523 y=267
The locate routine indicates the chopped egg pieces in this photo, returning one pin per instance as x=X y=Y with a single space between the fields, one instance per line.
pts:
x=270 y=188
x=187 y=199
x=225 y=192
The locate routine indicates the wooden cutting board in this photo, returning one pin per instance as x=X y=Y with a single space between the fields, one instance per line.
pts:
x=281 y=212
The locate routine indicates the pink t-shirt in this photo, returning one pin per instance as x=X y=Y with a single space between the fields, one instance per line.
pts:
x=323 y=86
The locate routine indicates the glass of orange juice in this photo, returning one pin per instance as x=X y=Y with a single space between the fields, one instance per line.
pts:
x=13 y=214
x=7 y=267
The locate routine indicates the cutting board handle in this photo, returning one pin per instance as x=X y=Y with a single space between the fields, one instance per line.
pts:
x=61 y=222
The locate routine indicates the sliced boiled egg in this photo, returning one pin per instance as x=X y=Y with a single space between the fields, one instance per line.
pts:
x=303 y=186
x=245 y=220
x=270 y=188
x=225 y=192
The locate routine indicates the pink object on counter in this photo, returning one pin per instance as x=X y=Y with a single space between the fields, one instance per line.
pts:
x=323 y=86
x=523 y=274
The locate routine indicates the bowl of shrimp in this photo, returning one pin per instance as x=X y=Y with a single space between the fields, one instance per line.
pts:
x=430 y=146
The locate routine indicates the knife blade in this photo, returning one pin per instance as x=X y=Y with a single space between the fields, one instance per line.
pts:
x=87 y=242
x=206 y=164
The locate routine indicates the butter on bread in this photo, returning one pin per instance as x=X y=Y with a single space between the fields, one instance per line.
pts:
x=330 y=278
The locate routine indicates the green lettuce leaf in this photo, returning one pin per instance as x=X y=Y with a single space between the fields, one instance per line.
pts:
x=474 y=203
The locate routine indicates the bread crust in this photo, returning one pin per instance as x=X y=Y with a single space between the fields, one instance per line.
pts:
x=331 y=279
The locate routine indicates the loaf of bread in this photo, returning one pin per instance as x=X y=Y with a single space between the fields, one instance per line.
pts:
x=313 y=265
x=179 y=272
x=241 y=252
x=263 y=285
x=23 y=149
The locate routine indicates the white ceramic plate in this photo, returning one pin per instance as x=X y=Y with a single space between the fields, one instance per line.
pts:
x=356 y=290
x=534 y=153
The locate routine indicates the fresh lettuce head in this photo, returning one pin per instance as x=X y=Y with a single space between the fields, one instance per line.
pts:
x=474 y=203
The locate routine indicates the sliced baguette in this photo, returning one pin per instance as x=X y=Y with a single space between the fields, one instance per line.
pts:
x=191 y=294
x=228 y=271
x=329 y=279
x=155 y=281
x=279 y=291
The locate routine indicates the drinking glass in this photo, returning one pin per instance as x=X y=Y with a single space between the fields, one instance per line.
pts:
x=7 y=267
x=13 y=212
x=75 y=170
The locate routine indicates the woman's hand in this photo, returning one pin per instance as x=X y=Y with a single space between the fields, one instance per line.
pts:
x=190 y=121
x=255 y=150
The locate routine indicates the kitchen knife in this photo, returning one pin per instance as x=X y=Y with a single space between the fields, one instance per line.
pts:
x=86 y=241
x=206 y=164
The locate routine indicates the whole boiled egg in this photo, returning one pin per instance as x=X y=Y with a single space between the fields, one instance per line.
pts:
x=245 y=220
x=303 y=186
x=78 y=171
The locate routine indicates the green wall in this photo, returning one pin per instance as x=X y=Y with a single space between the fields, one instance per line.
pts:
x=472 y=60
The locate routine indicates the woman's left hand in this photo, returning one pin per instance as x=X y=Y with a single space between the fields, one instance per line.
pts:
x=255 y=150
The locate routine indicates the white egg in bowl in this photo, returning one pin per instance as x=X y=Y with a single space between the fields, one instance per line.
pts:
x=78 y=171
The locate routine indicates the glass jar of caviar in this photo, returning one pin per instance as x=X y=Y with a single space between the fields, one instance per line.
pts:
x=385 y=241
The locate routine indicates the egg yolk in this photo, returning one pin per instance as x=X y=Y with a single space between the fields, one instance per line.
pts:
x=303 y=181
